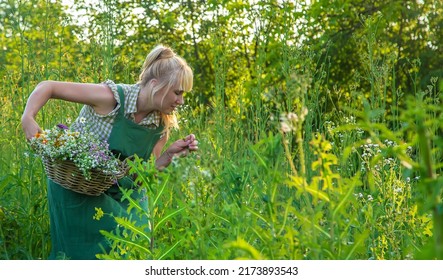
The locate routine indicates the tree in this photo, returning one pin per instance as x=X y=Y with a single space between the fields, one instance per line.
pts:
x=408 y=30
x=37 y=40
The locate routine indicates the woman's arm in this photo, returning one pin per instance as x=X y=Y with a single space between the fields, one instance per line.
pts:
x=99 y=96
x=161 y=160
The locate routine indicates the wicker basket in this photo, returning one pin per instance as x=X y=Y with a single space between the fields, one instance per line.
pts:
x=66 y=174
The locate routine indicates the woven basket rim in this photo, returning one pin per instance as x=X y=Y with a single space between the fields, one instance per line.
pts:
x=122 y=165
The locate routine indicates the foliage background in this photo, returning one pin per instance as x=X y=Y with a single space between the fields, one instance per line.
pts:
x=353 y=64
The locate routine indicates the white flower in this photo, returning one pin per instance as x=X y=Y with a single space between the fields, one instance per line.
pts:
x=205 y=173
x=292 y=117
x=285 y=127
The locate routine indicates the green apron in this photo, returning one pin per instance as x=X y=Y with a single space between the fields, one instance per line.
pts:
x=74 y=232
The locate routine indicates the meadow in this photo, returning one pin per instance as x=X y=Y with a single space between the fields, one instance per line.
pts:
x=296 y=170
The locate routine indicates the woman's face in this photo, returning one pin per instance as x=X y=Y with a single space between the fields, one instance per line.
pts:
x=167 y=101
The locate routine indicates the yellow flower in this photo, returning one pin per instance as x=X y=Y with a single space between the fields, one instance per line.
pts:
x=98 y=214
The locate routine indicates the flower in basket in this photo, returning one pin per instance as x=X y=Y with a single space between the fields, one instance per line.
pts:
x=84 y=149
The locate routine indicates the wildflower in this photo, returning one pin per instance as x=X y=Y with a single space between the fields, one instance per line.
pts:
x=62 y=126
x=389 y=162
x=292 y=117
x=370 y=198
x=85 y=149
x=82 y=120
x=205 y=173
x=98 y=214
x=285 y=127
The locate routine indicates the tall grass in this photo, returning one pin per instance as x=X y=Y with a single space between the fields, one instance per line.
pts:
x=24 y=220
x=277 y=176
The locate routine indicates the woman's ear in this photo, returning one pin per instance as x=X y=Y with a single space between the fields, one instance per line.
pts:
x=153 y=82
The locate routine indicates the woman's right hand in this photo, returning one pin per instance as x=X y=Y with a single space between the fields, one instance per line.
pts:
x=30 y=127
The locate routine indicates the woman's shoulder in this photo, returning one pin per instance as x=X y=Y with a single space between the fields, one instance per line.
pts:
x=130 y=94
x=127 y=88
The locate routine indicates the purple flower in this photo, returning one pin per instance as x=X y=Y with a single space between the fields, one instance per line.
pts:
x=62 y=126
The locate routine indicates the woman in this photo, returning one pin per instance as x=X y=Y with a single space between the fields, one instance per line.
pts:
x=133 y=119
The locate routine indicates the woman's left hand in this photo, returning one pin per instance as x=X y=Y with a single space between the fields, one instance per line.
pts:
x=183 y=146
x=179 y=148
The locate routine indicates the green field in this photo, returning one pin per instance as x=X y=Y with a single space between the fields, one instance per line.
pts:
x=318 y=125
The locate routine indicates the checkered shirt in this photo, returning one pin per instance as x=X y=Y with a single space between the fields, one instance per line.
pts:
x=101 y=125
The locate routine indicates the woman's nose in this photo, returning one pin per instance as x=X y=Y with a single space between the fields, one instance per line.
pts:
x=180 y=100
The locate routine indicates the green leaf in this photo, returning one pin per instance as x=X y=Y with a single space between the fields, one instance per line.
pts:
x=125 y=241
x=131 y=226
x=167 y=217
x=245 y=246
x=351 y=184
x=169 y=250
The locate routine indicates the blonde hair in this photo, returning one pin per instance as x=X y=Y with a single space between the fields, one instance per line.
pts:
x=168 y=69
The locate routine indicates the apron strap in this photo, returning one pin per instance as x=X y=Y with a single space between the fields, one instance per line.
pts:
x=122 y=100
